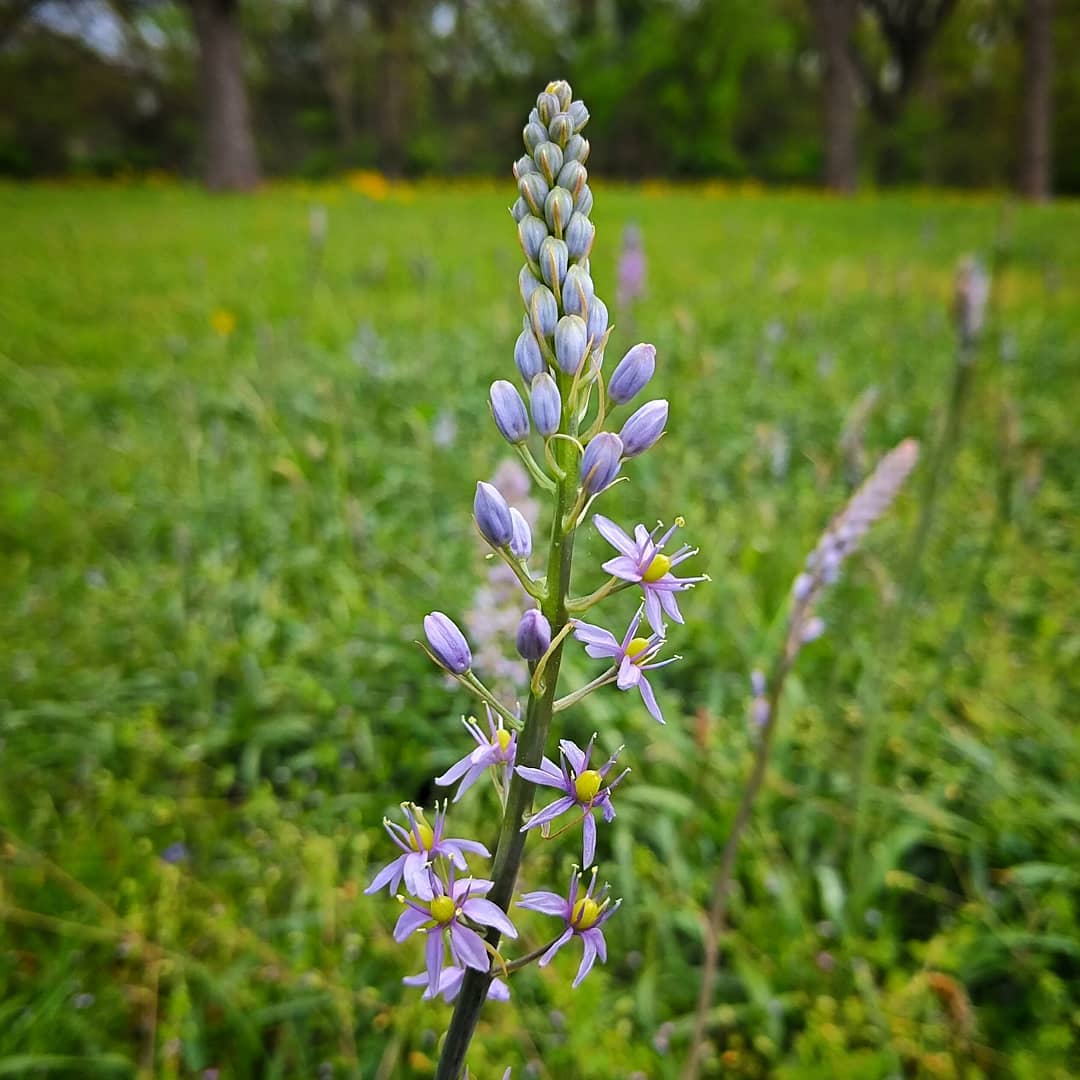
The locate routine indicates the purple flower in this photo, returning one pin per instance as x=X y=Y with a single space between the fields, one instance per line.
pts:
x=450 y=985
x=421 y=844
x=497 y=748
x=581 y=787
x=633 y=656
x=583 y=916
x=442 y=918
x=642 y=561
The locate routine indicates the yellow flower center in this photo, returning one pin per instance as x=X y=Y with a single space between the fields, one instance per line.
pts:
x=587 y=784
x=660 y=565
x=503 y=736
x=637 y=647
x=442 y=909
x=586 y=912
x=427 y=835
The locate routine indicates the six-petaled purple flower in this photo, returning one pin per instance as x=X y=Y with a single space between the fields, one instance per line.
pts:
x=641 y=559
x=422 y=844
x=583 y=915
x=581 y=787
x=497 y=748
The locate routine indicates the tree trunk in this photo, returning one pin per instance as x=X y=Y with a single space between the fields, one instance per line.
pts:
x=392 y=68
x=834 y=21
x=229 y=143
x=1037 y=110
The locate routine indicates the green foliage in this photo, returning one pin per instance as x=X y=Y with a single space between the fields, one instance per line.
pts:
x=224 y=513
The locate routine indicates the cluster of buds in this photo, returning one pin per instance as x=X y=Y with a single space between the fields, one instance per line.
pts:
x=562 y=407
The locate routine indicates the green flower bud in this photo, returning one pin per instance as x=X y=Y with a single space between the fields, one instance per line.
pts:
x=534 y=190
x=543 y=312
x=553 y=260
x=576 y=149
x=547 y=105
x=560 y=129
x=558 y=206
x=549 y=159
x=531 y=233
x=579 y=114
x=563 y=94
x=572 y=176
x=534 y=134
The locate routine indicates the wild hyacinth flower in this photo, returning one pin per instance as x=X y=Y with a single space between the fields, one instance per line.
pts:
x=581 y=786
x=450 y=985
x=422 y=844
x=632 y=657
x=583 y=916
x=494 y=750
x=641 y=560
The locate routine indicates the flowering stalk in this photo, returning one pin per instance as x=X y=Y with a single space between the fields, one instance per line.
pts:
x=822 y=569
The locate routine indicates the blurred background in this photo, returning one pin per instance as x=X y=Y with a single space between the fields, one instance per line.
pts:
x=242 y=433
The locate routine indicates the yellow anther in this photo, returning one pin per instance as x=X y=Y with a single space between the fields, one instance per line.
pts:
x=503 y=737
x=587 y=784
x=442 y=909
x=660 y=565
x=636 y=647
x=586 y=912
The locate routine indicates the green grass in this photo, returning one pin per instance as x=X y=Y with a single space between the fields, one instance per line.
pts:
x=216 y=551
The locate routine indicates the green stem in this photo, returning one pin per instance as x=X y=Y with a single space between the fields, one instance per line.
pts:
x=531 y=743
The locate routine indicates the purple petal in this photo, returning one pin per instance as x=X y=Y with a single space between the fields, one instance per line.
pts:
x=574 y=754
x=498 y=991
x=473 y=846
x=556 y=945
x=622 y=566
x=608 y=810
x=471 y=886
x=486 y=913
x=409 y=921
x=417 y=880
x=597 y=938
x=540 y=776
x=669 y=604
x=433 y=956
x=611 y=532
x=388 y=875
x=455 y=772
x=629 y=674
x=416 y=980
x=471 y=777
x=548 y=903
x=549 y=813
x=649 y=698
x=652 y=611
x=468 y=946
x=588 y=829
x=587 y=960
x=450 y=983
x=590 y=634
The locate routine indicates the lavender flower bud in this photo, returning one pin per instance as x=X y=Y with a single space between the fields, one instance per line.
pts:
x=558 y=207
x=509 y=412
x=544 y=311
x=583 y=200
x=520 y=209
x=643 y=428
x=534 y=190
x=534 y=134
x=813 y=629
x=579 y=114
x=527 y=356
x=561 y=128
x=600 y=462
x=526 y=284
x=531 y=233
x=597 y=321
x=634 y=370
x=549 y=157
x=534 y=116
x=802 y=586
x=523 y=166
x=563 y=94
x=580 y=234
x=547 y=105
x=521 y=541
x=572 y=176
x=576 y=149
x=448 y=644
x=554 y=256
x=757 y=682
x=533 y=635
x=492 y=515
x=546 y=403
x=571 y=343
x=577 y=290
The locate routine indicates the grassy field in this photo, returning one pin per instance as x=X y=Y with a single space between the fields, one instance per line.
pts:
x=237 y=474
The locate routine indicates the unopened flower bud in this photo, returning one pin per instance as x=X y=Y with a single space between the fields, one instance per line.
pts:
x=576 y=149
x=550 y=160
x=560 y=129
x=534 y=190
x=577 y=290
x=534 y=134
x=511 y=417
x=544 y=312
x=572 y=176
x=558 y=207
x=547 y=105
x=580 y=233
x=597 y=321
x=563 y=94
x=447 y=642
x=546 y=403
x=531 y=233
x=527 y=356
x=527 y=284
x=600 y=462
x=571 y=343
x=583 y=200
x=523 y=166
x=554 y=256
x=643 y=428
x=634 y=370
x=579 y=114
x=520 y=209
x=802 y=586
x=533 y=635
x=492 y=515
x=521 y=540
